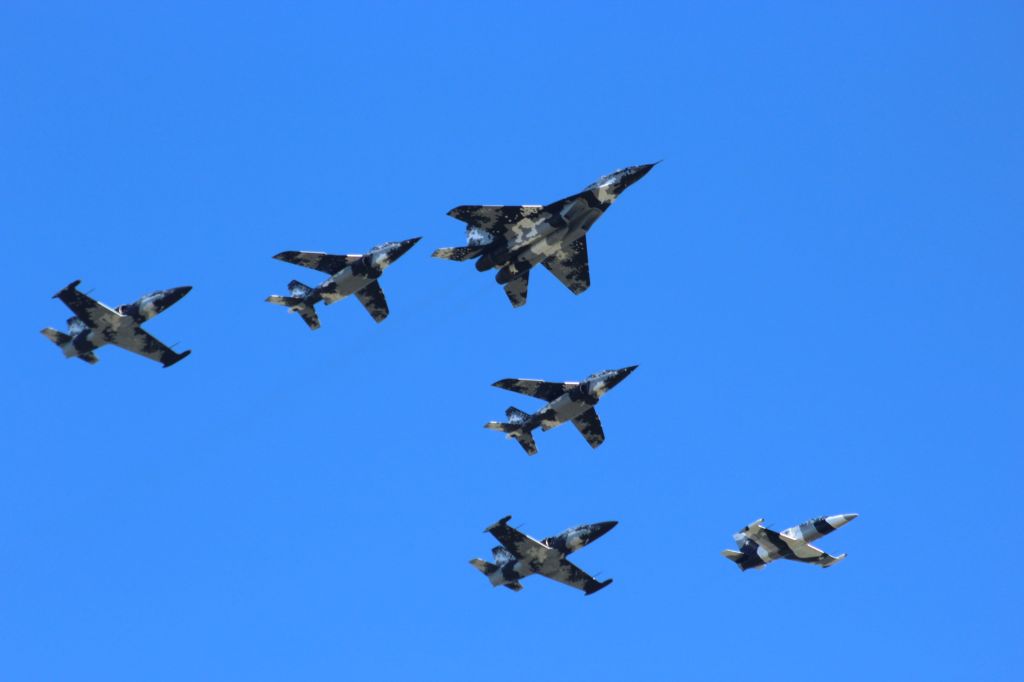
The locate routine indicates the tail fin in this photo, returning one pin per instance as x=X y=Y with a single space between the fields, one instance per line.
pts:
x=458 y=253
x=298 y=289
x=295 y=305
x=515 y=415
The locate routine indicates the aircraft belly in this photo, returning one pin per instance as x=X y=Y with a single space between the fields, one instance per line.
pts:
x=560 y=411
x=342 y=285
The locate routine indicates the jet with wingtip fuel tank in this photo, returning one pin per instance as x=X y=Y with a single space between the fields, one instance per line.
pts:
x=95 y=325
x=354 y=274
x=569 y=401
x=513 y=239
x=759 y=546
x=519 y=556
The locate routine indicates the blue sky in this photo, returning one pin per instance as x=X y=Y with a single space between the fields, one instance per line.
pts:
x=821 y=285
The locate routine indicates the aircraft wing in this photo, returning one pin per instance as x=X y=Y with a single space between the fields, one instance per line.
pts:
x=372 y=298
x=324 y=262
x=808 y=553
x=571 y=266
x=545 y=390
x=137 y=340
x=519 y=544
x=572 y=575
x=589 y=425
x=93 y=313
x=494 y=219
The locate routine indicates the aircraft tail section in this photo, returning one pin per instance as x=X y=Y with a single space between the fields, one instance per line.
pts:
x=298 y=305
x=735 y=557
x=59 y=338
x=298 y=289
x=513 y=429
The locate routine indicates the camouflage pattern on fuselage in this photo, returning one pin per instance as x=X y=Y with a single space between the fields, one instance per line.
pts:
x=95 y=325
x=349 y=275
x=759 y=546
x=513 y=239
x=569 y=401
x=520 y=556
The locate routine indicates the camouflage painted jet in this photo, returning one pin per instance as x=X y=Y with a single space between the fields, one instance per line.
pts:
x=354 y=274
x=513 y=239
x=520 y=556
x=95 y=325
x=759 y=545
x=570 y=401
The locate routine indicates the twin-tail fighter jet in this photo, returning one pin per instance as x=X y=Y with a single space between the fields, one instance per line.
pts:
x=520 y=556
x=353 y=274
x=759 y=545
x=513 y=239
x=95 y=325
x=570 y=401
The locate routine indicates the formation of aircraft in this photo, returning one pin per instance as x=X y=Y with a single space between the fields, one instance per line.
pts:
x=349 y=275
x=570 y=401
x=760 y=546
x=511 y=240
x=95 y=325
x=519 y=556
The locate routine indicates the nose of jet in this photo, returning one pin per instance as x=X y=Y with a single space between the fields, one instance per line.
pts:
x=172 y=296
x=637 y=172
x=403 y=246
x=621 y=374
x=840 y=519
x=599 y=529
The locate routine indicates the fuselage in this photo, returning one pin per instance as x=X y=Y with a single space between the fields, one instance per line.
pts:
x=512 y=568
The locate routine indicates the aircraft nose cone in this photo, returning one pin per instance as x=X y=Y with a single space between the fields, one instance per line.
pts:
x=840 y=519
x=404 y=246
x=638 y=173
x=599 y=529
x=172 y=296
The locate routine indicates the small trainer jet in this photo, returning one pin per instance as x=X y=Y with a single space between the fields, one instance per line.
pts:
x=759 y=545
x=519 y=556
x=352 y=274
x=95 y=325
x=570 y=401
x=513 y=239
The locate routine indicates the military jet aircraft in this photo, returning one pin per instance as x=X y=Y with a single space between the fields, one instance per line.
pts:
x=520 y=556
x=95 y=325
x=353 y=274
x=570 y=401
x=513 y=239
x=759 y=545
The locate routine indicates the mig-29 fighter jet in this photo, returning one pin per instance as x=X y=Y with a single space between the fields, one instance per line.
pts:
x=570 y=401
x=759 y=545
x=520 y=556
x=513 y=239
x=354 y=274
x=95 y=325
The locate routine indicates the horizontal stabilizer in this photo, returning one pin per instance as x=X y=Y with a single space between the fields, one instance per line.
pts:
x=296 y=305
x=59 y=338
x=733 y=556
x=484 y=567
x=89 y=357
x=459 y=253
x=515 y=585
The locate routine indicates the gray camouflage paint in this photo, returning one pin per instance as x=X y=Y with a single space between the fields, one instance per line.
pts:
x=570 y=401
x=759 y=546
x=513 y=239
x=520 y=556
x=349 y=275
x=95 y=325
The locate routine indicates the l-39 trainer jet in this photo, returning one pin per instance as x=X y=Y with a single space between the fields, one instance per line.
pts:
x=759 y=545
x=513 y=239
x=95 y=325
x=519 y=556
x=570 y=401
x=352 y=274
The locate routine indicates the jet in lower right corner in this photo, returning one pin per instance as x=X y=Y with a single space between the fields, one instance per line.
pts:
x=759 y=545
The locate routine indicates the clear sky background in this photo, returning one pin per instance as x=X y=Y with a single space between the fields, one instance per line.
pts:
x=821 y=284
